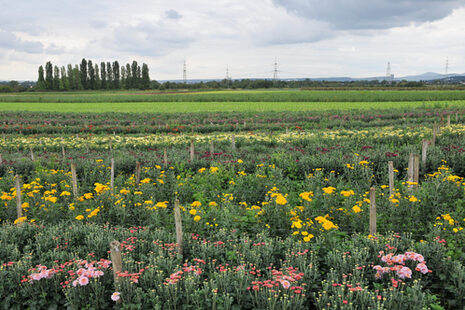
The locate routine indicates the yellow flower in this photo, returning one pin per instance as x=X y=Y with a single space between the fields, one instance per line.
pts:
x=280 y=200
x=124 y=191
x=349 y=166
x=308 y=238
x=71 y=206
x=196 y=218
x=88 y=195
x=297 y=225
x=202 y=170
x=161 y=181
x=240 y=161
x=212 y=204
x=79 y=217
x=20 y=220
x=99 y=160
x=363 y=162
x=148 y=202
x=347 y=193
x=65 y=193
x=413 y=199
x=196 y=204
x=193 y=212
x=214 y=169
x=25 y=205
x=306 y=196
x=146 y=181
x=329 y=190
x=356 y=209
x=51 y=199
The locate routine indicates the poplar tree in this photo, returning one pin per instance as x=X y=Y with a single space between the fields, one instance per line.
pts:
x=48 y=75
x=109 y=75
x=97 y=77
x=83 y=73
x=116 y=75
x=71 y=82
x=64 y=79
x=91 y=74
x=56 y=78
x=41 y=81
x=145 y=82
x=128 y=77
x=134 y=81
x=103 y=76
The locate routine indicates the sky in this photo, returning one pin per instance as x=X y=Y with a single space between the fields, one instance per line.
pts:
x=306 y=38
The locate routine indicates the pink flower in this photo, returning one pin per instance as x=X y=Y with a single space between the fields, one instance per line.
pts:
x=115 y=296
x=404 y=272
x=285 y=284
x=83 y=281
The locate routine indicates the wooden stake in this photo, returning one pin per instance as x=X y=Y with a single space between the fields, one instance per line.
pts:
x=448 y=120
x=1 y=158
x=287 y=130
x=391 y=178
x=424 y=151
x=137 y=173
x=372 y=212
x=212 y=148
x=233 y=142
x=165 y=157
x=433 y=142
x=413 y=170
x=178 y=222
x=192 y=150
x=74 y=179
x=32 y=155
x=112 y=174
x=110 y=144
x=116 y=261
x=19 y=206
x=456 y=117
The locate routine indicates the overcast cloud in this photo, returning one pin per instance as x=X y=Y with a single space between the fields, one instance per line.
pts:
x=308 y=37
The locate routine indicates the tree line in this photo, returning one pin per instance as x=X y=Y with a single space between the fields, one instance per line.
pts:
x=89 y=76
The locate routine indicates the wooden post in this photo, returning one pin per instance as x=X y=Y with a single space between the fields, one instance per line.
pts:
x=456 y=117
x=233 y=142
x=137 y=173
x=448 y=120
x=19 y=206
x=74 y=179
x=391 y=178
x=245 y=125
x=192 y=150
x=178 y=223
x=424 y=150
x=287 y=130
x=372 y=212
x=413 y=170
x=32 y=154
x=165 y=157
x=116 y=261
x=212 y=148
x=110 y=145
x=1 y=158
x=112 y=174
x=433 y=142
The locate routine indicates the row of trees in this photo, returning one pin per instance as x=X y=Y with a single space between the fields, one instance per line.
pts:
x=87 y=75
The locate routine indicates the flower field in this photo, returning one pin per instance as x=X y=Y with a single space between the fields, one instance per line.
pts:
x=277 y=210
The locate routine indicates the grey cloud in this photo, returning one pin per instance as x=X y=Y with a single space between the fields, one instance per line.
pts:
x=54 y=49
x=371 y=14
x=173 y=14
x=10 y=41
x=151 y=39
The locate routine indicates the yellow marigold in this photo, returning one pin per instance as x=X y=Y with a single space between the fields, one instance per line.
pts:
x=347 y=193
x=196 y=218
x=329 y=190
x=280 y=200
x=308 y=238
x=306 y=196
x=214 y=169
x=328 y=225
x=349 y=166
x=20 y=220
x=5 y=196
x=124 y=191
x=240 y=161
x=356 y=209
x=212 y=204
x=193 y=212
x=65 y=193
x=79 y=217
x=88 y=195
x=161 y=181
x=196 y=204
x=145 y=181
x=162 y=204
x=363 y=162
x=25 y=205
x=296 y=224
x=202 y=170
x=148 y=202
x=51 y=199
x=413 y=199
